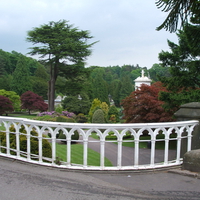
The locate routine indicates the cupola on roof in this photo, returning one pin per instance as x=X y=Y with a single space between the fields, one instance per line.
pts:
x=142 y=80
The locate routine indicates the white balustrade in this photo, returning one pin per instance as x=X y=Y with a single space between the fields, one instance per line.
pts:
x=139 y=158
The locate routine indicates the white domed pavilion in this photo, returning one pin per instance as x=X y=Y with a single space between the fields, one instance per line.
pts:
x=142 y=80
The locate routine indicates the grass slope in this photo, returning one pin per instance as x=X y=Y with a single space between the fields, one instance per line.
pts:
x=77 y=155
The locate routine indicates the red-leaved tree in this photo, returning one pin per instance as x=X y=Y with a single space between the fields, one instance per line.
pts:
x=32 y=101
x=143 y=105
x=5 y=105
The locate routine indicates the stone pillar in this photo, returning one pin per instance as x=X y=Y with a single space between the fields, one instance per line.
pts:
x=190 y=111
x=191 y=161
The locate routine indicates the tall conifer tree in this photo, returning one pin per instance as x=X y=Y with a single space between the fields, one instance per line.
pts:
x=21 y=81
x=63 y=48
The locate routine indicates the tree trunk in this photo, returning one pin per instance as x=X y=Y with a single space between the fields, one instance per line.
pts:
x=51 y=94
x=51 y=91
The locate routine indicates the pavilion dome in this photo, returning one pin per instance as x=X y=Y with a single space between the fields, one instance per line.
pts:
x=142 y=80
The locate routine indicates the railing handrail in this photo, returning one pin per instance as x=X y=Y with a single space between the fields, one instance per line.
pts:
x=102 y=130
x=88 y=125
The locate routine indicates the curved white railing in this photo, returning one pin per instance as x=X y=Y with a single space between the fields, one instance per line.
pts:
x=122 y=157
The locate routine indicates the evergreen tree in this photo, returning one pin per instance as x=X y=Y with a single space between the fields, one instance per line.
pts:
x=40 y=81
x=5 y=82
x=73 y=103
x=184 y=64
x=157 y=71
x=64 y=49
x=113 y=114
x=41 y=72
x=98 y=116
x=21 y=80
x=126 y=87
x=116 y=85
x=183 y=10
x=100 y=89
x=5 y=64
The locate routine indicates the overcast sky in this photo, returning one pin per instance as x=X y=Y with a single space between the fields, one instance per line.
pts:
x=125 y=28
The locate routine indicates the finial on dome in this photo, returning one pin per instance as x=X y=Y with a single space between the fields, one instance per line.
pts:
x=142 y=73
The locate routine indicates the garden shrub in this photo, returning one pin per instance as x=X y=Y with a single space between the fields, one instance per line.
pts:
x=98 y=116
x=65 y=119
x=46 y=147
x=65 y=116
x=68 y=114
x=113 y=114
x=13 y=97
x=63 y=136
x=95 y=104
x=32 y=101
x=111 y=136
x=104 y=106
x=5 y=105
x=46 y=118
x=81 y=118
x=59 y=109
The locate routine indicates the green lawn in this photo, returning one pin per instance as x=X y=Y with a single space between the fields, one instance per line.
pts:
x=77 y=155
x=23 y=115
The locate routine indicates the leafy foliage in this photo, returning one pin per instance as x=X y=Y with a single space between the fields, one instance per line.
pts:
x=46 y=147
x=126 y=87
x=40 y=81
x=57 y=114
x=178 y=10
x=98 y=116
x=73 y=104
x=157 y=71
x=116 y=85
x=104 y=106
x=143 y=105
x=5 y=82
x=95 y=104
x=81 y=118
x=32 y=101
x=100 y=89
x=184 y=67
x=13 y=97
x=5 y=105
x=56 y=117
x=73 y=80
x=21 y=82
x=113 y=114
x=174 y=100
x=184 y=64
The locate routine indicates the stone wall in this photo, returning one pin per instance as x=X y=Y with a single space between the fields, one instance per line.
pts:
x=190 y=111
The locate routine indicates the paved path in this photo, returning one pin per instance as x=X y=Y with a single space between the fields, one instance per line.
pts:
x=128 y=153
x=32 y=182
